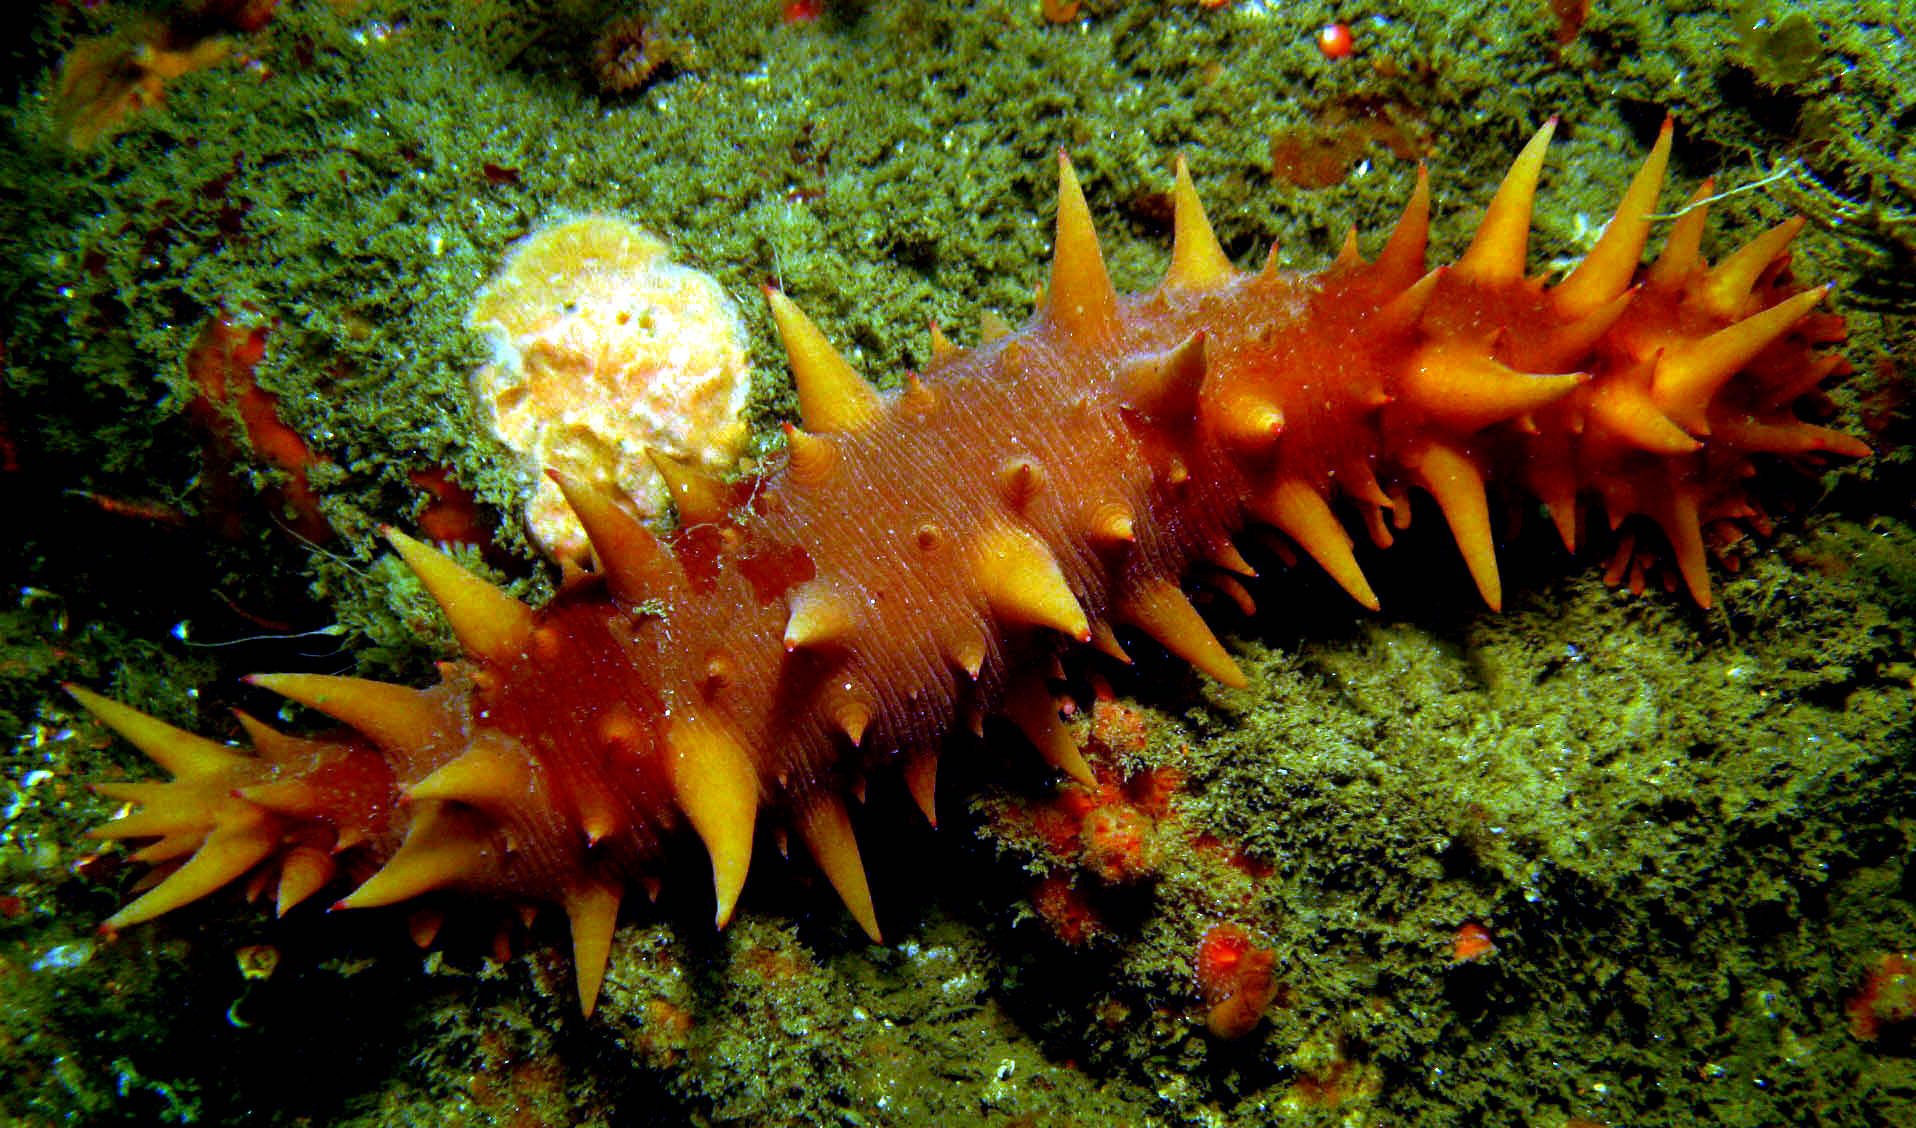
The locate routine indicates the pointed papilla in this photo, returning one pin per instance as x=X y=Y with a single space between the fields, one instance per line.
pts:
x=1554 y=482
x=1110 y=524
x=423 y=925
x=921 y=779
x=1305 y=516
x=1019 y=479
x=717 y=787
x=142 y=791
x=1226 y=556
x=493 y=771
x=636 y=566
x=490 y=625
x=1348 y=256
x=1160 y=609
x=1248 y=420
x=1787 y=436
x=1567 y=344
x=1459 y=384
x=444 y=844
x=1610 y=266
x=1234 y=591
x=1683 y=248
x=303 y=872
x=1030 y=706
x=229 y=851
x=154 y=821
x=181 y=753
x=1726 y=289
x=1677 y=514
x=812 y=458
x=1453 y=478
x=919 y=398
x=965 y=647
x=1164 y=386
x=592 y=908
x=165 y=850
x=851 y=711
x=394 y=716
x=820 y=616
x=1689 y=375
x=698 y=496
x=1403 y=312
x=1497 y=253
x=1401 y=262
x=1197 y=261
x=292 y=796
x=1023 y=584
x=273 y=746
x=831 y=396
x=1622 y=409
x=941 y=346
x=1078 y=298
x=598 y=809
x=1106 y=640
x=827 y=831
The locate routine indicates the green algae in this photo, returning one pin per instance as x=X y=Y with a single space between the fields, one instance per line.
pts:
x=1687 y=833
x=1782 y=48
x=765 y=1032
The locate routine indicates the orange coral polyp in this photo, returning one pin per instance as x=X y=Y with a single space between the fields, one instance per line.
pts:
x=920 y=559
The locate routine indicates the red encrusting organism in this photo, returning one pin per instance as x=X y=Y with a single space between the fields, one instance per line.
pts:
x=1471 y=941
x=221 y=362
x=1236 y=979
x=1335 y=40
x=918 y=559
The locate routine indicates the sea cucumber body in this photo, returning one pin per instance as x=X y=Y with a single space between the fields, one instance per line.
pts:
x=919 y=559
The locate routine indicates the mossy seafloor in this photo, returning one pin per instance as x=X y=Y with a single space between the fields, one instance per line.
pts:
x=1687 y=833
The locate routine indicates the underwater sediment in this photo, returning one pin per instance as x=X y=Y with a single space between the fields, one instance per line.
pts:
x=1691 y=826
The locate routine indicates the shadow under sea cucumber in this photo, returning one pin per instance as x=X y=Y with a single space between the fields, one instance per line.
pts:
x=918 y=561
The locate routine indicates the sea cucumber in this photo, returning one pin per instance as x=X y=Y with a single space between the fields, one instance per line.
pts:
x=917 y=561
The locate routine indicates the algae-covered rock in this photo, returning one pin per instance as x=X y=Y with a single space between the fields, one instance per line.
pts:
x=1600 y=858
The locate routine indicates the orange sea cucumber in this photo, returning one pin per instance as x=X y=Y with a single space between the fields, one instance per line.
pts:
x=604 y=351
x=917 y=560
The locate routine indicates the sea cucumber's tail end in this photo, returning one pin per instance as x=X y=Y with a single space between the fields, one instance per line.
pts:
x=226 y=814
